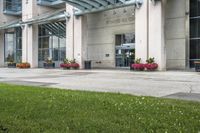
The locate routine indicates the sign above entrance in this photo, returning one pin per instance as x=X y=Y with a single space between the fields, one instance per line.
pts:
x=91 y=6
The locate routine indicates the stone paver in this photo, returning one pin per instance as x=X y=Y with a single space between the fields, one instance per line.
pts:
x=158 y=84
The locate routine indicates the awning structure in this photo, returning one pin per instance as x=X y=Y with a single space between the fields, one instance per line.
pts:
x=90 y=6
x=48 y=17
x=55 y=27
x=12 y=24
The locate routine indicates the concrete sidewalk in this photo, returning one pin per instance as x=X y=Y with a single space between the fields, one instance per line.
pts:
x=170 y=84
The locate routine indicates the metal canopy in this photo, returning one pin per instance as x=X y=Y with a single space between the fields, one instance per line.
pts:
x=55 y=27
x=12 y=24
x=49 y=17
x=90 y=6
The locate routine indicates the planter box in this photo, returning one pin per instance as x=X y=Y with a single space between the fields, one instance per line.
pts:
x=12 y=65
x=197 y=66
x=138 y=67
x=131 y=66
x=70 y=66
x=49 y=65
x=23 y=65
x=151 y=66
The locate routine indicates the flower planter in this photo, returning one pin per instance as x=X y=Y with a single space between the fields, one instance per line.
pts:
x=70 y=66
x=74 y=65
x=131 y=65
x=49 y=65
x=197 y=66
x=65 y=66
x=11 y=65
x=23 y=65
x=151 y=66
x=138 y=67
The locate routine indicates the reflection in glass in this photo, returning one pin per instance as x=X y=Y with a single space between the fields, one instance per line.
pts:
x=13 y=46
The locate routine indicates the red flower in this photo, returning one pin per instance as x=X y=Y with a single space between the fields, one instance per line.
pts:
x=151 y=66
x=139 y=67
x=65 y=65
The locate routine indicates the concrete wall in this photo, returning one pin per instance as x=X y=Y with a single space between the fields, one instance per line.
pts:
x=31 y=9
x=102 y=28
x=175 y=31
x=6 y=18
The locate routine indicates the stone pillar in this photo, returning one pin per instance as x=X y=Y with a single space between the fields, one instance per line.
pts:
x=157 y=47
x=76 y=37
x=150 y=38
x=29 y=35
x=141 y=30
x=30 y=45
x=1 y=48
x=70 y=33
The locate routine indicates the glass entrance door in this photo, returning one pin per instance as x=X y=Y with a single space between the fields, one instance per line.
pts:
x=52 y=43
x=124 y=49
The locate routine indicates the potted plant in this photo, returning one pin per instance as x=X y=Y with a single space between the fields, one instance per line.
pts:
x=151 y=65
x=23 y=65
x=197 y=66
x=65 y=64
x=138 y=66
x=69 y=64
x=48 y=64
x=74 y=64
x=11 y=64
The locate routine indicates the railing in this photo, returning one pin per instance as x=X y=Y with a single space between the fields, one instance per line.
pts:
x=12 y=7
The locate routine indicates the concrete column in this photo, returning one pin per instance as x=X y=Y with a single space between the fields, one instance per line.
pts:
x=157 y=47
x=76 y=37
x=29 y=35
x=1 y=48
x=141 y=30
x=149 y=29
x=70 y=34
x=30 y=45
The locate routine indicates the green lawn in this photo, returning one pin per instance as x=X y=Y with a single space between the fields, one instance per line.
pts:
x=42 y=110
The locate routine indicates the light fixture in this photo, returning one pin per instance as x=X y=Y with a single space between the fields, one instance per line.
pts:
x=138 y=3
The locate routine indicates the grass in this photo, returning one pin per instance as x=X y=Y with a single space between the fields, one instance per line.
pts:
x=42 y=110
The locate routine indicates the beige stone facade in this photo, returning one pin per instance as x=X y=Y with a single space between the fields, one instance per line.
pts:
x=161 y=30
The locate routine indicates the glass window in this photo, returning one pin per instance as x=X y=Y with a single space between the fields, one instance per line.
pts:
x=9 y=47
x=52 y=41
x=194 y=31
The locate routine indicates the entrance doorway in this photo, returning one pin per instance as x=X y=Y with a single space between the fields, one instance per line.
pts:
x=124 y=49
x=52 y=43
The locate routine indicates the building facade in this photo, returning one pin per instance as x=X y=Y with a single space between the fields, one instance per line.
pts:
x=110 y=33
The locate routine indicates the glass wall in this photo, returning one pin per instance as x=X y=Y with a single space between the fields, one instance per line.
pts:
x=13 y=46
x=52 y=43
x=194 y=31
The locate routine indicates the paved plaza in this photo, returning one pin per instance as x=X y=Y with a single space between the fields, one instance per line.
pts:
x=170 y=84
